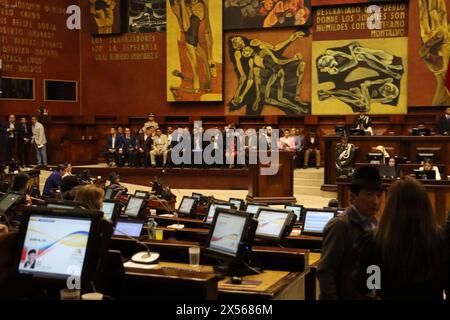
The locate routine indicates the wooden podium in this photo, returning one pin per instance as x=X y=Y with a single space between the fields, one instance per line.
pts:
x=273 y=189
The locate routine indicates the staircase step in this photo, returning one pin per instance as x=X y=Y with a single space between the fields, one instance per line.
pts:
x=308 y=182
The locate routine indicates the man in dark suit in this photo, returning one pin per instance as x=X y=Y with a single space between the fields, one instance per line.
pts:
x=9 y=137
x=129 y=148
x=312 y=144
x=113 y=144
x=143 y=147
x=444 y=123
x=24 y=135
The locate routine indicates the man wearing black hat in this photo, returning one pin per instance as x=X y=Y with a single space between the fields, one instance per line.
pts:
x=341 y=234
x=114 y=178
x=151 y=122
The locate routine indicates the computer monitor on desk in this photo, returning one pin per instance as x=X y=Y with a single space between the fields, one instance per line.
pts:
x=212 y=210
x=136 y=208
x=374 y=157
x=238 y=203
x=61 y=204
x=229 y=241
x=55 y=245
x=142 y=194
x=187 y=206
x=253 y=208
x=111 y=210
x=316 y=220
x=421 y=132
x=129 y=228
x=425 y=175
x=274 y=224
x=357 y=132
x=297 y=209
x=7 y=204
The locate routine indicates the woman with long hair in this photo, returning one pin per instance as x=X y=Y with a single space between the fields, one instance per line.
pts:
x=90 y=197
x=408 y=246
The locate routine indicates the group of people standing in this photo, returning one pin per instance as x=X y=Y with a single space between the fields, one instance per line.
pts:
x=17 y=138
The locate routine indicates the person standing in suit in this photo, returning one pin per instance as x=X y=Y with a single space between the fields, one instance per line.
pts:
x=113 y=144
x=160 y=147
x=312 y=144
x=24 y=138
x=39 y=141
x=129 y=148
x=11 y=136
x=444 y=123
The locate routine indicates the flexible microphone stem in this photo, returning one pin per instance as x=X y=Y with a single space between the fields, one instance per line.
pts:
x=166 y=206
x=148 y=257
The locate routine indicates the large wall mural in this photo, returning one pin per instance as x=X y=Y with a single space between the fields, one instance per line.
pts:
x=429 y=53
x=266 y=72
x=363 y=69
x=194 y=51
x=253 y=14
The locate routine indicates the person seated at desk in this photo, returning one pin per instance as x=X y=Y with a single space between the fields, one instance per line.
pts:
x=113 y=144
x=363 y=122
x=428 y=166
x=53 y=182
x=391 y=170
x=444 y=123
x=90 y=197
x=69 y=188
x=114 y=179
x=20 y=185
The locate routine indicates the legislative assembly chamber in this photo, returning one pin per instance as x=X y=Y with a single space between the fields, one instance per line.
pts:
x=235 y=150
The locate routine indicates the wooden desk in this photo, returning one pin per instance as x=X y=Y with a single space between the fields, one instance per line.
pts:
x=403 y=146
x=200 y=235
x=278 y=285
x=438 y=193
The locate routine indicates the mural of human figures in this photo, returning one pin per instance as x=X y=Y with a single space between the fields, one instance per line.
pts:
x=106 y=14
x=146 y=16
x=253 y=14
x=194 y=51
x=359 y=75
x=266 y=75
x=435 y=48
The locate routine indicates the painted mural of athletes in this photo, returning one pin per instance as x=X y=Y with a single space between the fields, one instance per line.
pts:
x=435 y=48
x=359 y=76
x=194 y=51
x=251 y=14
x=266 y=76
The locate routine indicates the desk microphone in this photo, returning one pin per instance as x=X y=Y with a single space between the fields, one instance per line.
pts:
x=166 y=206
x=144 y=257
